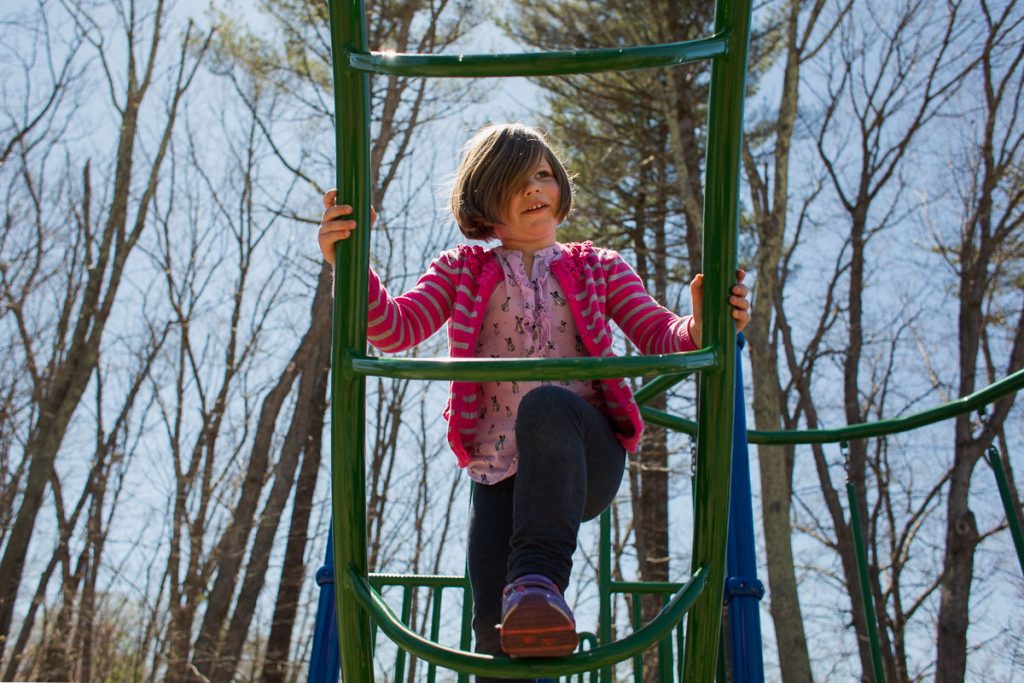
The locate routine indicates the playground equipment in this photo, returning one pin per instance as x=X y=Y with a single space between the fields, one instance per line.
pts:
x=358 y=609
x=742 y=592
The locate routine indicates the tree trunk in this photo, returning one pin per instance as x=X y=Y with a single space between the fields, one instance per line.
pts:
x=961 y=526
x=984 y=240
x=962 y=539
x=314 y=368
x=58 y=399
x=775 y=463
x=232 y=545
x=293 y=570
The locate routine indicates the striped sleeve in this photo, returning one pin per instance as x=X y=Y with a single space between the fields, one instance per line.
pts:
x=649 y=325
x=401 y=322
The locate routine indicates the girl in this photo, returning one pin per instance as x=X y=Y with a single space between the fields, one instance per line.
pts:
x=543 y=456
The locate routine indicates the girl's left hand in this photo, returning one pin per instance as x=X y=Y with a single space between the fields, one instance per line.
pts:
x=737 y=299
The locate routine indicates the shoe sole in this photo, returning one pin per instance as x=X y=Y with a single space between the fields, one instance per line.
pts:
x=536 y=628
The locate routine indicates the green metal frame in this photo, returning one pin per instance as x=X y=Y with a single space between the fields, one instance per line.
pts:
x=356 y=598
x=361 y=610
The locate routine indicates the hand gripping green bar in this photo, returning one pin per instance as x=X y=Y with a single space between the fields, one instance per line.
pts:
x=352 y=61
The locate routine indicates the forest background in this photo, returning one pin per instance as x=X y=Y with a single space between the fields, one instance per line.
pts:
x=164 y=317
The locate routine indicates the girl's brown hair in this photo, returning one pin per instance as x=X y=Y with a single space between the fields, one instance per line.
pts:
x=495 y=164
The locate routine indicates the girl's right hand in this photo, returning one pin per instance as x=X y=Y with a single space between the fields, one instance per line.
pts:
x=333 y=227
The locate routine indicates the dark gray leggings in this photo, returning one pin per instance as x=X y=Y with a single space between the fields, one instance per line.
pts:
x=570 y=467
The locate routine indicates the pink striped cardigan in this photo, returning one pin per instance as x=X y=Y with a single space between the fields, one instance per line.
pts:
x=599 y=285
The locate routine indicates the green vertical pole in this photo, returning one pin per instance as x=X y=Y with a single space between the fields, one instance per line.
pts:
x=435 y=628
x=467 y=621
x=680 y=641
x=638 y=658
x=995 y=461
x=406 y=616
x=348 y=391
x=877 y=670
x=715 y=411
x=665 y=657
x=604 y=588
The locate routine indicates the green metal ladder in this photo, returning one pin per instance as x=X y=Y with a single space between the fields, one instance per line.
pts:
x=358 y=602
x=360 y=607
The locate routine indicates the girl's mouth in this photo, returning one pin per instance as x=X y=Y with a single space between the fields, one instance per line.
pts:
x=535 y=207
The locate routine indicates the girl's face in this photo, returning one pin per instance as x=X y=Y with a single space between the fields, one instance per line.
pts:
x=531 y=216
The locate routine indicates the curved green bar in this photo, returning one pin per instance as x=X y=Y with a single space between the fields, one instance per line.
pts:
x=864 y=430
x=538 y=64
x=652 y=587
x=487 y=369
x=487 y=665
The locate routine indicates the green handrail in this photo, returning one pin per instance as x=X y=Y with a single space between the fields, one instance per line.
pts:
x=604 y=579
x=539 y=63
x=486 y=665
x=865 y=430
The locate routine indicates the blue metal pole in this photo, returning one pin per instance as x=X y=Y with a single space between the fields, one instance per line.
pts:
x=324 y=663
x=743 y=590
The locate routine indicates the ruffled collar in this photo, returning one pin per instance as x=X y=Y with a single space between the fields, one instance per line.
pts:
x=512 y=260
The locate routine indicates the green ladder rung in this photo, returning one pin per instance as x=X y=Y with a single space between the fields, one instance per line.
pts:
x=486 y=665
x=508 y=369
x=410 y=582
x=539 y=63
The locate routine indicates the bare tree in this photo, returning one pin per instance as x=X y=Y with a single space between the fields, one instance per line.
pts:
x=106 y=229
x=65 y=657
x=208 y=243
x=45 y=76
x=888 y=78
x=985 y=259
x=401 y=107
x=804 y=29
